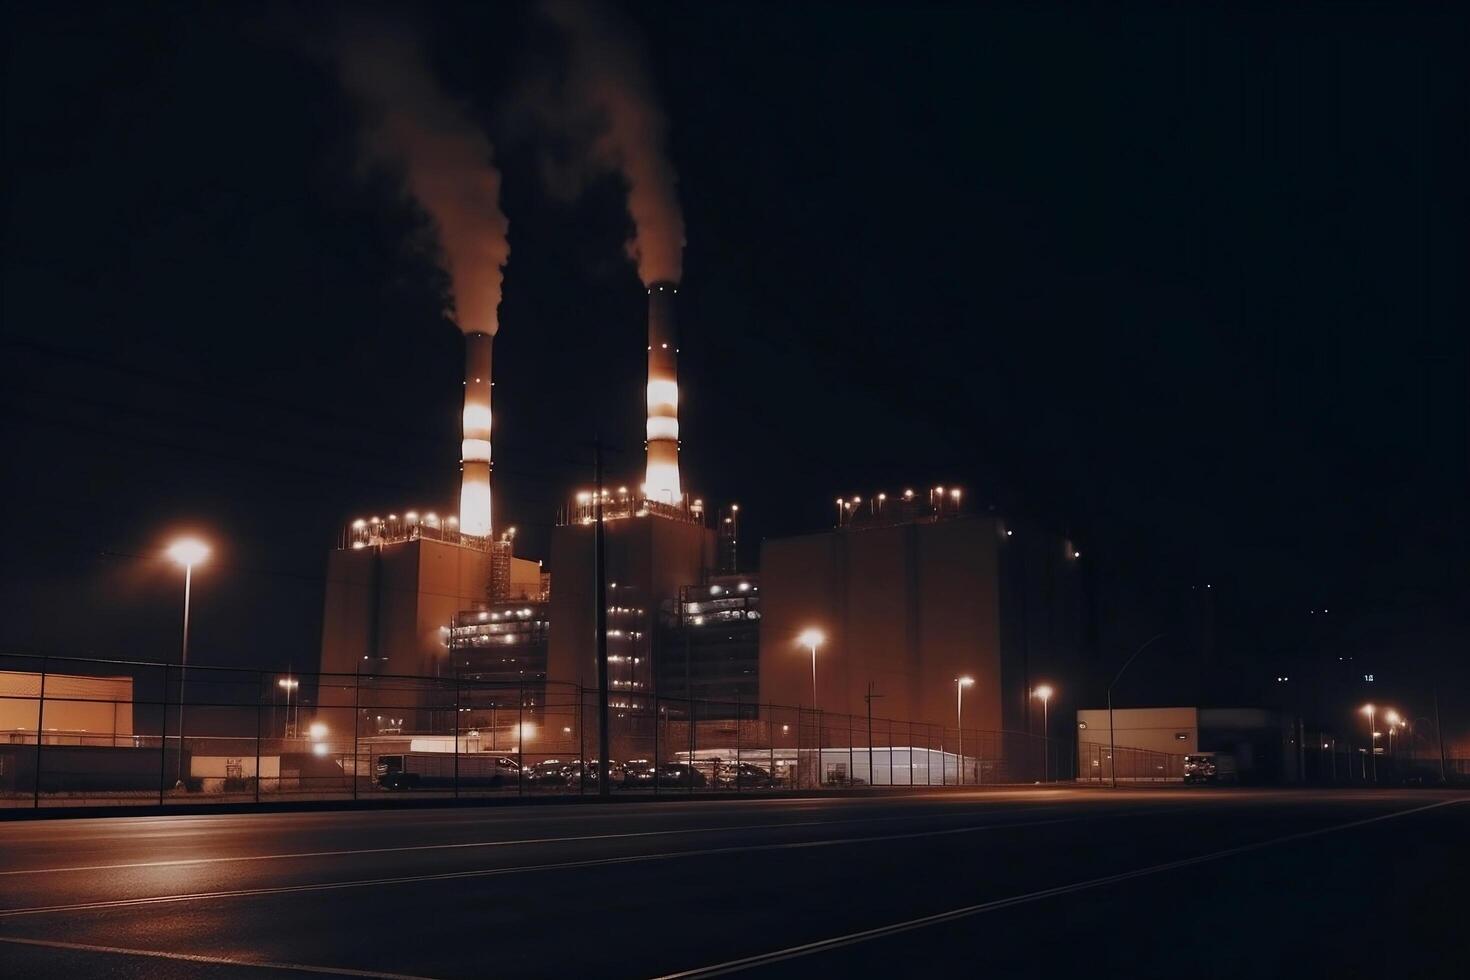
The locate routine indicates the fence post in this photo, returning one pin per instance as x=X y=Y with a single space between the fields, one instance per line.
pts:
x=259 y=678
x=356 y=720
x=40 y=732
x=456 y=733
x=771 y=738
x=162 y=741
x=737 y=741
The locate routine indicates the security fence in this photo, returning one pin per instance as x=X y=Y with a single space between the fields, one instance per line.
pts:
x=1099 y=763
x=82 y=732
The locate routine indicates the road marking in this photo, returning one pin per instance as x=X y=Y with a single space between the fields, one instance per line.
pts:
x=336 y=971
x=407 y=848
x=853 y=938
x=528 y=868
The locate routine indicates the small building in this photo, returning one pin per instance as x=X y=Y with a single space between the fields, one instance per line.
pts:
x=1262 y=742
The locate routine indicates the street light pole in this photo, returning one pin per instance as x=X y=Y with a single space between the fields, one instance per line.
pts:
x=1112 y=742
x=187 y=552
x=960 y=683
x=1044 y=692
x=1371 y=712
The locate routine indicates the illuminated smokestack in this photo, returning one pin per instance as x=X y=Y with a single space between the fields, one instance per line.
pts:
x=661 y=483
x=474 y=493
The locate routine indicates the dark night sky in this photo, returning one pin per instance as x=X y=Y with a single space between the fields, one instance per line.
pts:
x=1187 y=285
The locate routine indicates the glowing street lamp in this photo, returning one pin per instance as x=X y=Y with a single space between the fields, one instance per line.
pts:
x=186 y=552
x=1394 y=722
x=813 y=638
x=1044 y=692
x=289 y=684
x=960 y=683
x=1370 y=711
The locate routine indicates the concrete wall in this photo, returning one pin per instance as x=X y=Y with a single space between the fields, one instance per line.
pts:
x=907 y=607
x=1155 y=729
x=93 y=706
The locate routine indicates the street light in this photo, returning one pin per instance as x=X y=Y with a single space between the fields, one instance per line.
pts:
x=187 y=552
x=1044 y=692
x=289 y=684
x=960 y=683
x=1370 y=711
x=813 y=638
x=1394 y=722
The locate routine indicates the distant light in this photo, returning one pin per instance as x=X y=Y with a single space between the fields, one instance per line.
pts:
x=359 y=524
x=744 y=586
x=188 y=552
x=964 y=681
x=955 y=494
x=1366 y=709
x=319 y=748
x=1044 y=692
x=908 y=495
x=812 y=638
x=317 y=731
x=1009 y=533
x=1076 y=554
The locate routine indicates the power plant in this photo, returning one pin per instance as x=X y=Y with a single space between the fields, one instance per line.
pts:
x=907 y=591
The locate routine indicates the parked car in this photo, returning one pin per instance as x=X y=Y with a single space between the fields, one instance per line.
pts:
x=615 y=772
x=639 y=773
x=554 y=773
x=743 y=775
x=1210 y=767
x=678 y=774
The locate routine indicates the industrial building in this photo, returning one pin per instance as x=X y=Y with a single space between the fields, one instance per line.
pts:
x=909 y=594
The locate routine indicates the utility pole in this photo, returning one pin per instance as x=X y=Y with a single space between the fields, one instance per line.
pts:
x=1112 y=744
x=599 y=561
x=872 y=770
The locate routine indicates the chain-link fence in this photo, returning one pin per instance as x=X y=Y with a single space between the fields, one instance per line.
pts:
x=81 y=732
x=1099 y=763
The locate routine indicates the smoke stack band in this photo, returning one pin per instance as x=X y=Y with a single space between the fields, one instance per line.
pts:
x=474 y=494
x=661 y=482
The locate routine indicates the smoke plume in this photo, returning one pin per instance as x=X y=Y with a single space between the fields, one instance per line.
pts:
x=605 y=79
x=445 y=160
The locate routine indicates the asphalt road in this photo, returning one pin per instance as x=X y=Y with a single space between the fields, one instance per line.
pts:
x=1037 y=882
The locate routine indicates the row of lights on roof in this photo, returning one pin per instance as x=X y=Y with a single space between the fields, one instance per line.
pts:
x=954 y=494
x=411 y=517
x=742 y=587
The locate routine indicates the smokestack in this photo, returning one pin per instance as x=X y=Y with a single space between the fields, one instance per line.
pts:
x=474 y=493
x=661 y=484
